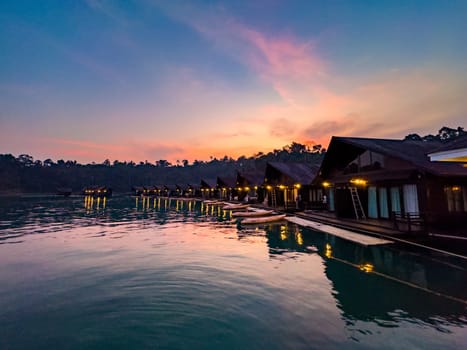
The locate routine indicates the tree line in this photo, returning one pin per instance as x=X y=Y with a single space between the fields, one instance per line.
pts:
x=24 y=174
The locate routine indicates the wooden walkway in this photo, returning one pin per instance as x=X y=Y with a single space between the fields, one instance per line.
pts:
x=339 y=232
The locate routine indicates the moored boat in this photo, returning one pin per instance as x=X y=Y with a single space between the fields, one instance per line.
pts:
x=255 y=213
x=264 y=219
x=235 y=206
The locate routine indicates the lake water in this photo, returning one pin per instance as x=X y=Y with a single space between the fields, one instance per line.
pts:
x=128 y=274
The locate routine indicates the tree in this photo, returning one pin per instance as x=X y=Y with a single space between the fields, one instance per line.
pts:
x=316 y=148
x=48 y=162
x=162 y=163
x=26 y=160
x=412 y=137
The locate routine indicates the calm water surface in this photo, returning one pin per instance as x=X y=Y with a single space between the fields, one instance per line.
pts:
x=128 y=274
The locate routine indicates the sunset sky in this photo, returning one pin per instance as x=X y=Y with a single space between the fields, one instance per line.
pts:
x=147 y=80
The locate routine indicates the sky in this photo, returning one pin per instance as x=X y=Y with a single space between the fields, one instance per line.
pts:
x=90 y=80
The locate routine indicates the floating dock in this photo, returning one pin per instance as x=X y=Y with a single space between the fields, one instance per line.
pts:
x=339 y=232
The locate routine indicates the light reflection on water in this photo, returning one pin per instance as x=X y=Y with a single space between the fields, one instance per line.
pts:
x=159 y=273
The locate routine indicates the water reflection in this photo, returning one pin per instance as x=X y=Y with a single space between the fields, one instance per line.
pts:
x=92 y=203
x=381 y=283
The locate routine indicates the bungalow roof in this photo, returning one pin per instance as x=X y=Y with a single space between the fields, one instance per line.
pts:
x=210 y=183
x=343 y=150
x=253 y=178
x=226 y=181
x=298 y=172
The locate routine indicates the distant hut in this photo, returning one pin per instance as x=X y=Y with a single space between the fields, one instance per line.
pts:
x=226 y=187
x=170 y=191
x=97 y=191
x=209 y=188
x=288 y=184
x=250 y=186
x=193 y=190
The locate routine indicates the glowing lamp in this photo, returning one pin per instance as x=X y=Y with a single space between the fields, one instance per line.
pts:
x=359 y=182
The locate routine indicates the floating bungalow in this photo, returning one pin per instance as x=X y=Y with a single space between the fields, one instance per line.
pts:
x=288 y=185
x=209 y=188
x=97 y=191
x=193 y=190
x=226 y=187
x=149 y=191
x=170 y=191
x=250 y=185
x=384 y=179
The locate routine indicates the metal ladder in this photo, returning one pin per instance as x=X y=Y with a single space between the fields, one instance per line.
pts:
x=357 y=205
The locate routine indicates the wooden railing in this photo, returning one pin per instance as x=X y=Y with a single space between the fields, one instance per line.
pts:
x=409 y=222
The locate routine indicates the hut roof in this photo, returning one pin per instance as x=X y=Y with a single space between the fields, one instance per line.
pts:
x=194 y=186
x=254 y=178
x=209 y=183
x=342 y=150
x=226 y=181
x=298 y=172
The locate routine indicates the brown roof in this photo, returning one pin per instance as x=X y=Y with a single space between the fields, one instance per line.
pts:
x=254 y=178
x=298 y=172
x=343 y=150
x=226 y=181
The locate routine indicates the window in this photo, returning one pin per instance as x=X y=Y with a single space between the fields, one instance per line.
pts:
x=456 y=197
x=366 y=161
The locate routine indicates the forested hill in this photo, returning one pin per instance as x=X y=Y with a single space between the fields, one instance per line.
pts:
x=23 y=174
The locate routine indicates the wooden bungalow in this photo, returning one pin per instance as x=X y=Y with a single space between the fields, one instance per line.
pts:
x=226 y=187
x=209 y=188
x=97 y=191
x=250 y=186
x=193 y=190
x=288 y=185
x=383 y=180
x=147 y=191
x=170 y=191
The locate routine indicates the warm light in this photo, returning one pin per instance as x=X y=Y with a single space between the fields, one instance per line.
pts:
x=328 y=251
x=256 y=187
x=297 y=185
x=247 y=188
x=366 y=267
x=281 y=187
x=269 y=187
x=456 y=188
x=299 y=238
x=326 y=184
x=283 y=232
x=359 y=182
